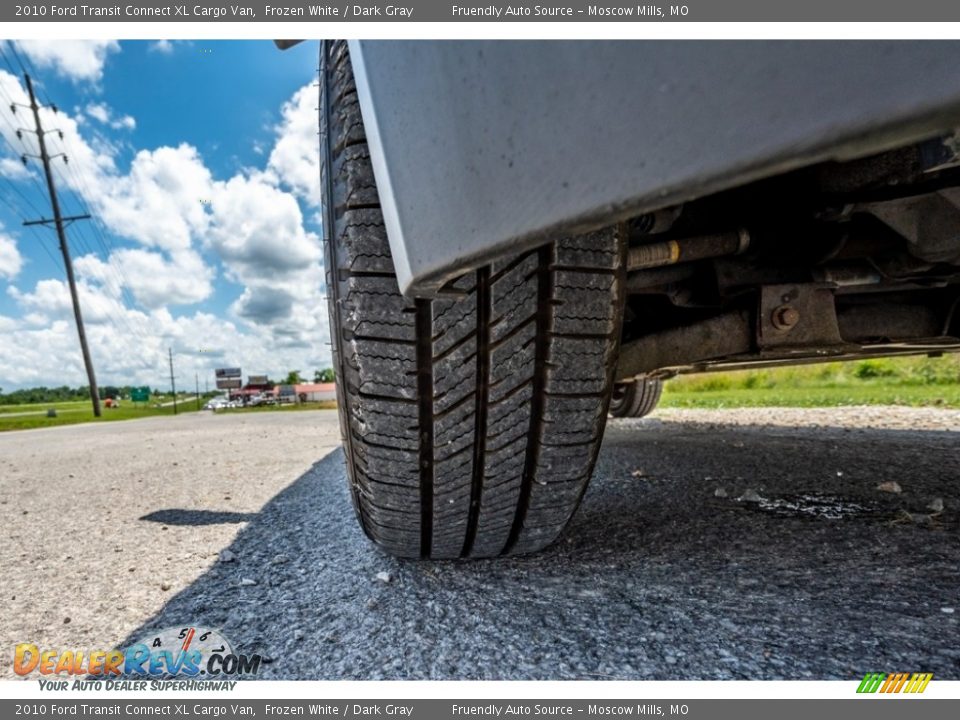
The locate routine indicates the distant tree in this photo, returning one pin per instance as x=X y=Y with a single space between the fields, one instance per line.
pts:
x=109 y=391
x=293 y=378
x=323 y=376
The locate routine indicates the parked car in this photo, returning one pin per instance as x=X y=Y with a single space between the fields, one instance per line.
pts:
x=216 y=403
x=515 y=230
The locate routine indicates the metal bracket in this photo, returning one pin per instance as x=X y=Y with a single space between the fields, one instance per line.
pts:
x=797 y=315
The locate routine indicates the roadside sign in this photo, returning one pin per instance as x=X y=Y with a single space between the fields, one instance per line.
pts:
x=140 y=394
x=229 y=383
x=257 y=380
x=227 y=373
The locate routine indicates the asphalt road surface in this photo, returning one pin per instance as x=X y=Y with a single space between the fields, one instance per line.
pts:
x=711 y=545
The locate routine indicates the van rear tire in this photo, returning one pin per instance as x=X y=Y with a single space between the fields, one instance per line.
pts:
x=471 y=423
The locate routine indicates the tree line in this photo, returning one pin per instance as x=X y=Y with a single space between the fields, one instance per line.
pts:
x=63 y=393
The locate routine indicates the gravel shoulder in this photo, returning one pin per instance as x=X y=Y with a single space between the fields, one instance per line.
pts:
x=743 y=544
x=103 y=523
x=854 y=417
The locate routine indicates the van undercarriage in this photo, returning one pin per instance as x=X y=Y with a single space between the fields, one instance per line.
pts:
x=831 y=262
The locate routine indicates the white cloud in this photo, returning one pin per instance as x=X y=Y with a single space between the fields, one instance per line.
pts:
x=74 y=59
x=162 y=46
x=160 y=202
x=101 y=112
x=295 y=158
x=257 y=230
x=155 y=279
x=158 y=281
x=13 y=169
x=10 y=259
x=51 y=299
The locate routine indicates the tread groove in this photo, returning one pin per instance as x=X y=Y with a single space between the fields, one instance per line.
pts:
x=534 y=434
x=425 y=394
x=480 y=412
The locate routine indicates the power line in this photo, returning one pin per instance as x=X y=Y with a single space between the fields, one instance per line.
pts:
x=7 y=61
x=16 y=55
x=16 y=210
x=33 y=73
x=15 y=132
x=17 y=190
x=18 y=133
x=41 y=241
x=107 y=272
x=18 y=213
x=101 y=235
x=120 y=320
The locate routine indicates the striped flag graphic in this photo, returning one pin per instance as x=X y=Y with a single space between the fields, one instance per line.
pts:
x=894 y=682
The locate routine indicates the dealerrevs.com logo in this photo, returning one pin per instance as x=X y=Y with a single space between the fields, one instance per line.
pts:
x=191 y=652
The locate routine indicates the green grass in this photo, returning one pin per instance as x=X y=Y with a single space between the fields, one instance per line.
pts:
x=75 y=413
x=65 y=405
x=82 y=415
x=886 y=381
x=73 y=405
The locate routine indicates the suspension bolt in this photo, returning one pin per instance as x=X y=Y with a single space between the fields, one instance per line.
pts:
x=785 y=317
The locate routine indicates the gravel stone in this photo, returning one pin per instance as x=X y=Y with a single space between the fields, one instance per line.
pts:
x=751 y=496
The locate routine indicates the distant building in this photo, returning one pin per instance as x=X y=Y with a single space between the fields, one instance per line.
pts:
x=301 y=393
x=314 y=392
x=257 y=386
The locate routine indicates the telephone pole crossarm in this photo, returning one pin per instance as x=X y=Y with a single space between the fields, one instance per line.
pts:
x=52 y=221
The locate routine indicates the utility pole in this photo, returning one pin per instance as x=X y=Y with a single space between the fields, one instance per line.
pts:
x=61 y=222
x=196 y=379
x=173 y=385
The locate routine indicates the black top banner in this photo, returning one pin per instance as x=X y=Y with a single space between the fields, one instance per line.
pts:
x=894 y=11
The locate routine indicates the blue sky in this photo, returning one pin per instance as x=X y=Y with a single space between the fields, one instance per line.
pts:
x=199 y=161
